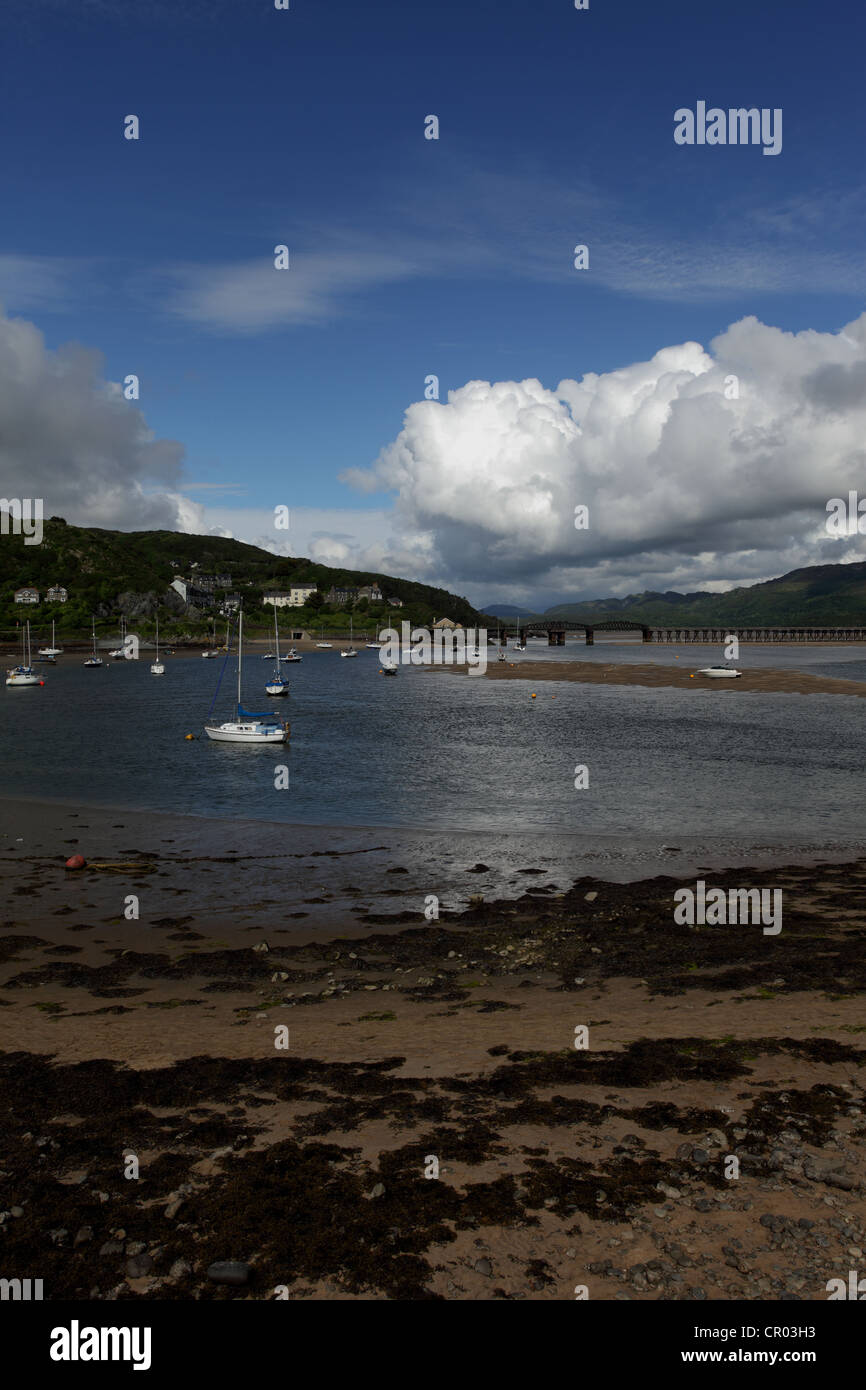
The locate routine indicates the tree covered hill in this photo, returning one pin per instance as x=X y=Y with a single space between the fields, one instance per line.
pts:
x=817 y=596
x=109 y=572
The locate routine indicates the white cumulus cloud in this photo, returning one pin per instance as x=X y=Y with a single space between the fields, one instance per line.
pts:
x=701 y=464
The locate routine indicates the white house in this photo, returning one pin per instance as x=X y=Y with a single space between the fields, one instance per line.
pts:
x=56 y=594
x=299 y=594
x=278 y=598
x=26 y=595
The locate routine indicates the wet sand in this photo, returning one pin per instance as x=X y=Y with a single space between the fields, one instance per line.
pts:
x=602 y=1166
x=677 y=676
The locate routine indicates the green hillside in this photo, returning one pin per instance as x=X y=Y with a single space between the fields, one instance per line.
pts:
x=819 y=596
x=112 y=572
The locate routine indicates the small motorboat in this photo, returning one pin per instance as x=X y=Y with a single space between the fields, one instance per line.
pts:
x=374 y=646
x=388 y=668
x=291 y=656
x=719 y=671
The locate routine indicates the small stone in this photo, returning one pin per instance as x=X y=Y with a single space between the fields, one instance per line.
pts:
x=378 y=1190
x=135 y=1247
x=590 y=897
x=139 y=1266
x=173 y=1208
x=83 y=1236
x=229 y=1272
x=483 y=1267
x=262 y=947
x=180 y=1269
x=16 y=1211
x=111 y=1247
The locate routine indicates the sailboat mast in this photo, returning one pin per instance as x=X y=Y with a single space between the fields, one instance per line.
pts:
x=240 y=653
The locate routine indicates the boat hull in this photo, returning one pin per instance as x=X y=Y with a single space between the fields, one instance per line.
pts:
x=235 y=732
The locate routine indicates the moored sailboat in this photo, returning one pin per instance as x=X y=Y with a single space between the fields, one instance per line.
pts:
x=120 y=652
x=351 y=649
x=53 y=650
x=276 y=685
x=94 y=660
x=24 y=674
x=157 y=668
x=246 y=726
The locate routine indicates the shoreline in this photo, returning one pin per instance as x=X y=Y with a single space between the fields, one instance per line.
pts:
x=557 y=1165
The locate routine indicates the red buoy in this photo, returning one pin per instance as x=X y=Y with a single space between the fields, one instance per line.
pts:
x=76 y=862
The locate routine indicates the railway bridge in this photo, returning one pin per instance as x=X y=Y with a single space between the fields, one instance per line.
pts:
x=556 y=628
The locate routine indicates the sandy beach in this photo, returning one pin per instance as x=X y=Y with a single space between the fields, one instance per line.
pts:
x=445 y=1138
x=678 y=676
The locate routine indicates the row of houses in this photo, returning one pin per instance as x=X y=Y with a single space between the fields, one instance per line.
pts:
x=56 y=594
x=299 y=594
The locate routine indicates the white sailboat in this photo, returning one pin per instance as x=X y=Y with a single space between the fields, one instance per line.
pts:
x=24 y=674
x=276 y=685
x=323 y=643
x=247 y=727
x=157 y=668
x=53 y=650
x=519 y=646
x=94 y=660
x=119 y=652
x=350 y=650
x=212 y=652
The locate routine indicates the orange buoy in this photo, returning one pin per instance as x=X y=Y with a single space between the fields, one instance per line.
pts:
x=76 y=862
x=532 y=696
x=188 y=737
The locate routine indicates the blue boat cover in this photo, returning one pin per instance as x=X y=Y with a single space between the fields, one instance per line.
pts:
x=250 y=714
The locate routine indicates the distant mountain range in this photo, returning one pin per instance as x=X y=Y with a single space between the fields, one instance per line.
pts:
x=817 y=596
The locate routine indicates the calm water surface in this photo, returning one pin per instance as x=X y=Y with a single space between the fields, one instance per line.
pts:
x=447 y=752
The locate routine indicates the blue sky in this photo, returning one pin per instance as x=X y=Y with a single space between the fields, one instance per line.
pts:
x=411 y=256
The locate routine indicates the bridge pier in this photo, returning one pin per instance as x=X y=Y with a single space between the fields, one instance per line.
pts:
x=590 y=637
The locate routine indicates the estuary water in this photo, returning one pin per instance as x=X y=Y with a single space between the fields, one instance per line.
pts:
x=450 y=753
